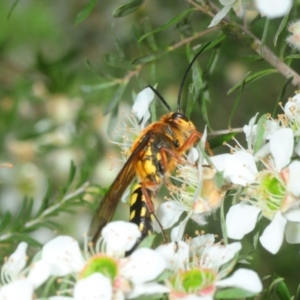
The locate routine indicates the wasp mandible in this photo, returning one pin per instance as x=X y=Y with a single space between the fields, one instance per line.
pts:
x=152 y=158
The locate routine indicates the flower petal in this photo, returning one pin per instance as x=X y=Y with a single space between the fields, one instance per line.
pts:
x=292 y=232
x=219 y=16
x=18 y=289
x=244 y=279
x=219 y=161
x=273 y=8
x=16 y=262
x=240 y=168
x=281 y=147
x=39 y=273
x=241 y=219
x=147 y=289
x=293 y=215
x=63 y=256
x=143 y=265
x=141 y=105
x=178 y=231
x=96 y=287
x=294 y=175
x=168 y=213
x=272 y=237
x=120 y=236
x=176 y=254
x=218 y=255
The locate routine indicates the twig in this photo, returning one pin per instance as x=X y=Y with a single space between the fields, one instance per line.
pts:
x=255 y=43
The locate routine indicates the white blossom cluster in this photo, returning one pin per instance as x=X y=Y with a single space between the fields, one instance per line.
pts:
x=191 y=270
x=266 y=173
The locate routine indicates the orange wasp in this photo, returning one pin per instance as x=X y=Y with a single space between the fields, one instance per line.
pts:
x=153 y=157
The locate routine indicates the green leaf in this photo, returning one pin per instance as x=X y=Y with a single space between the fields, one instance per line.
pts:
x=150 y=57
x=252 y=78
x=282 y=92
x=85 y=12
x=147 y=26
x=116 y=61
x=97 y=87
x=264 y=37
x=223 y=223
x=261 y=129
x=293 y=56
x=237 y=99
x=280 y=28
x=196 y=86
x=116 y=98
x=127 y=8
x=233 y=293
x=221 y=139
x=5 y=220
x=171 y=22
x=282 y=291
x=14 y=5
x=113 y=120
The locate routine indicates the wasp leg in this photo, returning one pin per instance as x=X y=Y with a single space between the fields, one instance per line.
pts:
x=191 y=141
x=150 y=206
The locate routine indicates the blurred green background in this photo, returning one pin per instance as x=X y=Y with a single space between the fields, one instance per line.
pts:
x=51 y=111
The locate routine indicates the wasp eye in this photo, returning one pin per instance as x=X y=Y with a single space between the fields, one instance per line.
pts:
x=179 y=115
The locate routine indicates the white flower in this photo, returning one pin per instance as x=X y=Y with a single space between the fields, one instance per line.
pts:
x=281 y=147
x=292 y=109
x=203 y=269
x=294 y=38
x=96 y=287
x=271 y=239
x=142 y=104
x=198 y=196
x=238 y=168
x=15 y=263
x=63 y=256
x=18 y=289
x=119 y=237
x=27 y=278
x=273 y=8
x=129 y=276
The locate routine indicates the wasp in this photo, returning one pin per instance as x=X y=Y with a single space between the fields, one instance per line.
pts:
x=152 y=158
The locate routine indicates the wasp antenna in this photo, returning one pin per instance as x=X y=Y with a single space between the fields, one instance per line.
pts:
x=160 y=97
x=185 y=75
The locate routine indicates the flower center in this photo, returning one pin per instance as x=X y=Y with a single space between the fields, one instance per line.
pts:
x=195 y=281
x=270 y=194
x=101 y=264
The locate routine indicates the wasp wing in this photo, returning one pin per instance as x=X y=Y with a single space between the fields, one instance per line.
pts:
x=108 y=205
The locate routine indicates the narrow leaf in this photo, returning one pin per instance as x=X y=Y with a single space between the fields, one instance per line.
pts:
x=116 y=98
x=221 y=139
x=282 y=291
x=233 y=293
x=171 y=22
x=280 y=28
x=14 y=5
x=293 y=56
x=97 y=87
x=85 y=12
x=127 y=8
x=282 y=92
x=251 y=78
x=237 y=99
x=116 y=61
x=150 y=57
x=264 y=37
x=261 y=128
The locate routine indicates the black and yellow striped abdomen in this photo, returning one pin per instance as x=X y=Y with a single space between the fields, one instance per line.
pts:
x=139 y=212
